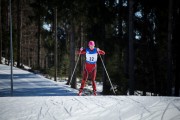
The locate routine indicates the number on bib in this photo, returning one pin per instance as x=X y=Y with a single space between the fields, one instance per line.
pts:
x=91 y=59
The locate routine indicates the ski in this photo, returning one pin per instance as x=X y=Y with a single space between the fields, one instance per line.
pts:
x=88 y=92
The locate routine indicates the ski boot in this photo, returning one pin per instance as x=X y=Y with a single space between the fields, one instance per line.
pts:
x=94 y=93
x=80 y=92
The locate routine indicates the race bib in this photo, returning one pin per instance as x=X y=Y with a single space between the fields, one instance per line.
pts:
x=91 y=56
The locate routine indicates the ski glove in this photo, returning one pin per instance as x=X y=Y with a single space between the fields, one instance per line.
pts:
x=98 y=49
x=81 y=49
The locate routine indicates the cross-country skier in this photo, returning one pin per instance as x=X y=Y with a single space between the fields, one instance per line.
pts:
x=90 y=65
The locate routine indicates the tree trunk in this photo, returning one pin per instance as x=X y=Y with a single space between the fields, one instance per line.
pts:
x=131 y=49
x=19 y=32
x=55 y=55
x=169 y=80
x=0 y=34
x=81 y=43
x=72 y=55
x=39 y=39
x=177 y=48
x=106 y=84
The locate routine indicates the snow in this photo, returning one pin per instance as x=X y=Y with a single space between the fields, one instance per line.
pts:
x=29 y=84
x=38 y=98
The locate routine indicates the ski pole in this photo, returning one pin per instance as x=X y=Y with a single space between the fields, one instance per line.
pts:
x=74 y=68
x=107 y=73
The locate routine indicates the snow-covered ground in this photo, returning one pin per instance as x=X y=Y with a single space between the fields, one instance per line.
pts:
x=29 y=84
x=38 y=98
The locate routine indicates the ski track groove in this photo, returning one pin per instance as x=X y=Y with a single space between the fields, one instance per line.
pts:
x=144 y=108
x=156 y=116
x=115 y=106
x=78 y=103
x=176 y=106
x=48 y=108
x=68 y=112
x=29 y=117
x=81 y=102
x=117 y=100
x=119 y=106
x=54 y=105
x=120 y=114
x=111 y=109
x=39 y=114
x=139 y=104
x=162 y=117
x=155 y=104
x=97 y=104
x=150 y=115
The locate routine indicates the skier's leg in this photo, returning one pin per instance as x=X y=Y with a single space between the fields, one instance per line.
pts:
x=93 y=74
x=85 y=76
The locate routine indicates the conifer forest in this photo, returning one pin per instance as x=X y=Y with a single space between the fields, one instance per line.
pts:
x=140 y=39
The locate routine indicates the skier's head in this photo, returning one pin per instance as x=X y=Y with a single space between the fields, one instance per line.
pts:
x=91 y=44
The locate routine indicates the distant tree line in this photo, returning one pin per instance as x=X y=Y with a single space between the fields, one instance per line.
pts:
x=140 y=38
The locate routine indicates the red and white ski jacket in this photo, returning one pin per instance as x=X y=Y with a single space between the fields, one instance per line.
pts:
x=91 y=58
x=91 y=55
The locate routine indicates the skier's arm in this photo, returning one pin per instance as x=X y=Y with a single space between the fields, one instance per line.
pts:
x=82 y=51
x=101 y=52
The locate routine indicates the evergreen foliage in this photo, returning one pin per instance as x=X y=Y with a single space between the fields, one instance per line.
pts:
x=105 y=22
